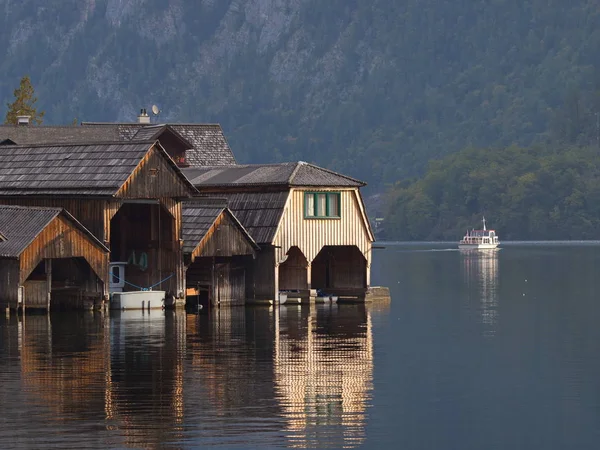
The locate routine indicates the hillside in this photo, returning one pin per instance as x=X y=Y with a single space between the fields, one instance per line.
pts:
x=373 y=89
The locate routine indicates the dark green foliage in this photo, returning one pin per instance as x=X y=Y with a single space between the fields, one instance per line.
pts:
x=524 y=193
x=24 y=104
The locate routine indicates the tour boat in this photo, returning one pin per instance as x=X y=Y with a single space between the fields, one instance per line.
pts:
x=479 y=239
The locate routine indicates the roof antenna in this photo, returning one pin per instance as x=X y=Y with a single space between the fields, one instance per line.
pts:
x=155 y=110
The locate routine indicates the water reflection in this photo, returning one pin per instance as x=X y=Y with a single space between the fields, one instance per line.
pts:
x=324 y=374
x=481 y=276
x=299 y=376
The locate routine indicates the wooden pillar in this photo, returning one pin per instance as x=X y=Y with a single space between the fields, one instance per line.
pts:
x=309 y=274
x=48 y=264
x=276 y=284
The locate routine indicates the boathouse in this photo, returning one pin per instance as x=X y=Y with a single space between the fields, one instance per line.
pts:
x=128 y=194
x=218 y=253
x=189 y=144
x=309 y=222
x=49 y=259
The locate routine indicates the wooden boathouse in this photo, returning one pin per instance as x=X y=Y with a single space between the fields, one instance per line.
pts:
x=48 y=259
x=309 y=222
x=204 y=144
x=127 y=194
x=218 y=253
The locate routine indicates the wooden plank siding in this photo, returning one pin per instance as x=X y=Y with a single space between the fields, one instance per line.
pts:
x=90 y=212
x=311 y=235
x=223 y=239
x=9 y=283
x=154 y=178
x=60 y=239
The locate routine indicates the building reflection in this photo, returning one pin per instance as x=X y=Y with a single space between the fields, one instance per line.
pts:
x=240 y=375
x=324 y=374
x=144 y=384
x=481 y=274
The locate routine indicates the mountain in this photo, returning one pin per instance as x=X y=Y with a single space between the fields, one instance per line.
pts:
x=372 y=89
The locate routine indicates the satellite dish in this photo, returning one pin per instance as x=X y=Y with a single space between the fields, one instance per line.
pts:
x=155 y=110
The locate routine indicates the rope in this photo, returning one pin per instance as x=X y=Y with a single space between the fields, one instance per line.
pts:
x=140 y=287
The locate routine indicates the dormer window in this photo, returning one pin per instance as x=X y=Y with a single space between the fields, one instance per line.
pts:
x=321 y=205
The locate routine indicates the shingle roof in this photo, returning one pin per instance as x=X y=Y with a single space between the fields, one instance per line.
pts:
x=283 y=174
x=78 y=169
x=197 y=219
x=153 y=132
x=208 y=144
x=33 y=134
x=20 y=225
x=258 y=212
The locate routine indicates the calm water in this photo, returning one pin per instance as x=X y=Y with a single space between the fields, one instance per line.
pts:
x=476 y=351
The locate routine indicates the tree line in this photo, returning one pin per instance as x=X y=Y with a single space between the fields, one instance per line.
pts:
x=532 y=193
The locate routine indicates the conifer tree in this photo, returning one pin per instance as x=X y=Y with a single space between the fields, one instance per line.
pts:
x=24 y=104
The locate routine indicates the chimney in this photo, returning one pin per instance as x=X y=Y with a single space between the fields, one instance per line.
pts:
x=143 y=117
x=23 y=120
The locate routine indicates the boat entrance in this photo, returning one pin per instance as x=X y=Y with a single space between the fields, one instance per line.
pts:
x=142 y=236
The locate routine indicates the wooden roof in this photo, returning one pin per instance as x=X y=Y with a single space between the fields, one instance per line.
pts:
x=20 y=225
x=209 y=147
x=283 y=174
x=99 y=169
x=154 y=132
x=258 y=212
x=198 y=218
x=207 y=143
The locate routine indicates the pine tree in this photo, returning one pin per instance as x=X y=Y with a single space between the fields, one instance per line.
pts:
x=24 y=104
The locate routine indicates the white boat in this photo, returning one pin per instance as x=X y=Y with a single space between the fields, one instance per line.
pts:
x=137 y=300
x=479 y=239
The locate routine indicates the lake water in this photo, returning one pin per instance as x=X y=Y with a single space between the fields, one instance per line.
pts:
x=495 y=350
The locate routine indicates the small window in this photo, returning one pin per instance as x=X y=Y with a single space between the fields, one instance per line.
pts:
x=321 y=205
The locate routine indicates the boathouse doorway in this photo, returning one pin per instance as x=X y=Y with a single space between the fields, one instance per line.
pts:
x=338 y=268
x=293 y=274
x=142 y=235
x=62 y=284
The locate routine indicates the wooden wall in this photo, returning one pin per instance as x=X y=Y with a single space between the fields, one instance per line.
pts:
x=37 y=294
x=9 y=283
x=223 y=239
x=293 y=273
x=225 y=277
x=154 y=177
x=92 y=213
x=311 y=235
x=61 y=239
x=263 y=281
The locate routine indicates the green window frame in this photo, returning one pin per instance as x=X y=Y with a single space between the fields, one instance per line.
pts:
x=322 y=205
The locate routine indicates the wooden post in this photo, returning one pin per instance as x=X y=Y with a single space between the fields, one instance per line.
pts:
x=276 y=299
x=48 y=263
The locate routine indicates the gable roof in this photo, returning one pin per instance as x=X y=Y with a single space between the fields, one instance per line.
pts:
x=208 y=145
x=153 y=132
x=20 y=225
x=198 y=218
x=258 y=212
x=75 y=169
x=283 y=174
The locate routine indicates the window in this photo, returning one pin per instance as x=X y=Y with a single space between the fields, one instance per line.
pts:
x=320 y=205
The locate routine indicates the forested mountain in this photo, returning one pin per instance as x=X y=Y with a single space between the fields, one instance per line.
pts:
x=525 y=193
x=374 y=89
